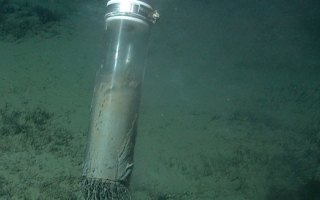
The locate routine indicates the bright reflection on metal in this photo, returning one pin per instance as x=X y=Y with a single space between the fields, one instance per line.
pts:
x=125 y=6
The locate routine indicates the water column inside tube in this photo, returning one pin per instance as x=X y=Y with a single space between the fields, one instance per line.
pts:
x=125 y=57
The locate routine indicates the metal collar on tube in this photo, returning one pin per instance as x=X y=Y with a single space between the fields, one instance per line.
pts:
x=132 y=15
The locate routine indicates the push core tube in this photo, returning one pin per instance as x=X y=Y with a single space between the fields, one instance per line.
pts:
x=116 y=100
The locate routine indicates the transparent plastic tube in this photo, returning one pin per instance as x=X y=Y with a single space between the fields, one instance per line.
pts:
x=114 y=115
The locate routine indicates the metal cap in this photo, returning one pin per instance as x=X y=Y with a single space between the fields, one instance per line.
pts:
x=131 y=15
